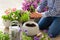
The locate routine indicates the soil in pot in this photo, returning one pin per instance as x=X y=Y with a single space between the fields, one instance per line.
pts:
x=30 y=25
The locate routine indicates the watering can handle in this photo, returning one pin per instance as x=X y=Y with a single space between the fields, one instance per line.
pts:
x=14 y=22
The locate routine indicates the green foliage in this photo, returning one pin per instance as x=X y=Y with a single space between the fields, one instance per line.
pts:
x=25 y=17
x=14 y=15
x=5 y=17
x=32 y=9
x=25 y=37
x=4 y=36
x=46 y=37
x=18 y=15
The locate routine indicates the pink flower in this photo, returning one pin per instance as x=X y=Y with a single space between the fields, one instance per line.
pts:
x=14 y=9
x=7 y=12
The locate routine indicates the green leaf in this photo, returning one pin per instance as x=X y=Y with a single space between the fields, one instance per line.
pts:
x=4 y=36
x=25 y=37
x=5 y=17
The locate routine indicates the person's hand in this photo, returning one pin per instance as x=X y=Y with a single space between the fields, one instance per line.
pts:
x=35 y=15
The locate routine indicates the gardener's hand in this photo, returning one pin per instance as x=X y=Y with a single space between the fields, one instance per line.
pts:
x=35 y=15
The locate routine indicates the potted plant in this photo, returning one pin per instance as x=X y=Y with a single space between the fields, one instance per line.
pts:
x=31 y=5
x=6 y=20
x=14 y=14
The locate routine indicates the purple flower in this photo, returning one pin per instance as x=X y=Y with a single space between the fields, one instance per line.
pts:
x=27 y=5
x=45 y=31
x=38 y=1
x=23 y=4
x=35 y=4
x=23 y=8
x=25 y=30
x=20 y=29
x=25 y=0
x=36 y=38
x=50 y=35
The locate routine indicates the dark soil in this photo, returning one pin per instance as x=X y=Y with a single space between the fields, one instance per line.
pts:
x=30 y=25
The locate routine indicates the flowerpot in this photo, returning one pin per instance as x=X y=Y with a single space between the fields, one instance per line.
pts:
x=6 y=23
x=31 y=28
